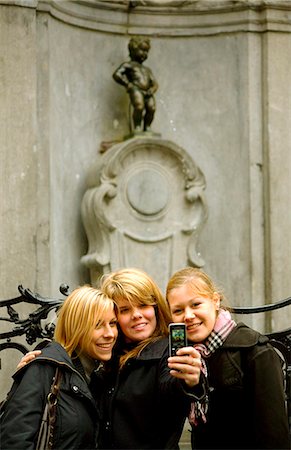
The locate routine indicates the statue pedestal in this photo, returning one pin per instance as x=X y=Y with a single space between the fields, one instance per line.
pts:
x=144 y=208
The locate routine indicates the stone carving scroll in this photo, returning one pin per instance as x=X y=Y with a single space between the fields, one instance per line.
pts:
x=145 y=208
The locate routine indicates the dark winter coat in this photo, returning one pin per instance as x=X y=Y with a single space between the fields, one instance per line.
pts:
x=246 y=400
x=77 y=415
x=145 y=406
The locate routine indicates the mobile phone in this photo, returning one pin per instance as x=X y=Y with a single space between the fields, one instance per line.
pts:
x=177 y=337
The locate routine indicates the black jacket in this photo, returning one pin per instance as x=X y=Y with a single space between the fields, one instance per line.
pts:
x=77 y=415
x=247 y=401
x=145 y=407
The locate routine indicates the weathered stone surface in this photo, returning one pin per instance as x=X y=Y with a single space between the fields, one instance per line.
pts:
x=145 y=208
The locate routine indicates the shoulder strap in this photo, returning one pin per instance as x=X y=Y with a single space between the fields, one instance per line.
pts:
x=52 y=397
x=55 y=387
x=46 y=431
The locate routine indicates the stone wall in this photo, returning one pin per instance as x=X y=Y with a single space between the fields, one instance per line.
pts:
x=224 y=96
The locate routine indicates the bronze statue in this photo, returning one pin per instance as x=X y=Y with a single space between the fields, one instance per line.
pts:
x=139 y=82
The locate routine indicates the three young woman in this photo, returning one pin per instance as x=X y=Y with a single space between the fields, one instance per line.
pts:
x=145 y=395
x=85 y=334
x=246 y=407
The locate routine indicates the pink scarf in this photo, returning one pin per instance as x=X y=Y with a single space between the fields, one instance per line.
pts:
x=224 y=324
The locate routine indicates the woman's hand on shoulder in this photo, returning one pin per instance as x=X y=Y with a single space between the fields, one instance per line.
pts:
x=27 y=358
x=186 y=365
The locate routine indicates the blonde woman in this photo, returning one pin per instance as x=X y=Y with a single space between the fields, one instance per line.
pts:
x=145 y=406
x=85 y=334
x=246 y=403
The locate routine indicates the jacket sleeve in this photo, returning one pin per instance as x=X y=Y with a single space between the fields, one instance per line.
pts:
x=266 y=384
x=22 y=413
x=176 y=389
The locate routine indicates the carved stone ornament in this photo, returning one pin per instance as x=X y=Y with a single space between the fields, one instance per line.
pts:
x=145 y=208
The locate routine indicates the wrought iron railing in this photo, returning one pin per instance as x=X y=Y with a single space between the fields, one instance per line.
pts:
x=31 y=326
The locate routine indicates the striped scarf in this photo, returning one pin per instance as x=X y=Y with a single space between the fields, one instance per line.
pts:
x=222 y=327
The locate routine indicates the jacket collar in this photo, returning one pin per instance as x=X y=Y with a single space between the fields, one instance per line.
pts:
x=52 y=352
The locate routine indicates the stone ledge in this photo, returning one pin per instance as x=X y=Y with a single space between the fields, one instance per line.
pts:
x=173 y=18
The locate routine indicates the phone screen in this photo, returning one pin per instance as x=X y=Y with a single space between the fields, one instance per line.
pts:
x=177 y=337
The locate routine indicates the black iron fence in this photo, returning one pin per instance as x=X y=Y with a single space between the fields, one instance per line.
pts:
x=31 y=326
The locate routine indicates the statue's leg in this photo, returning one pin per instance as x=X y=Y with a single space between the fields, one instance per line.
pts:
x=150 y=106
x=137 y=101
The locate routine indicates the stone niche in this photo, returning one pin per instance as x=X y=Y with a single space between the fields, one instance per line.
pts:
x=144 y=208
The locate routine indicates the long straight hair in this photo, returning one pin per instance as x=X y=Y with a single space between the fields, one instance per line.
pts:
x=82 y=310
x=138 y=288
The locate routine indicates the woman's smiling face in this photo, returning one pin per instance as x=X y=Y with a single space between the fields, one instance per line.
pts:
x=137 y=322
x=103 y=338
x=197 y=312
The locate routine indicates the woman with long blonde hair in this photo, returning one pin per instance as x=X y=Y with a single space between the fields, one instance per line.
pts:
x=84 y=337
x=144 y=404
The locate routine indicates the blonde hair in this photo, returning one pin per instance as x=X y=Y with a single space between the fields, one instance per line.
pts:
x=78 y=317
x=199 y=281
x=138 y=288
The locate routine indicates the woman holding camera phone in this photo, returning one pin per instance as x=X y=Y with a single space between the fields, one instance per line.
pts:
x=246 y=400
x=145 y=395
